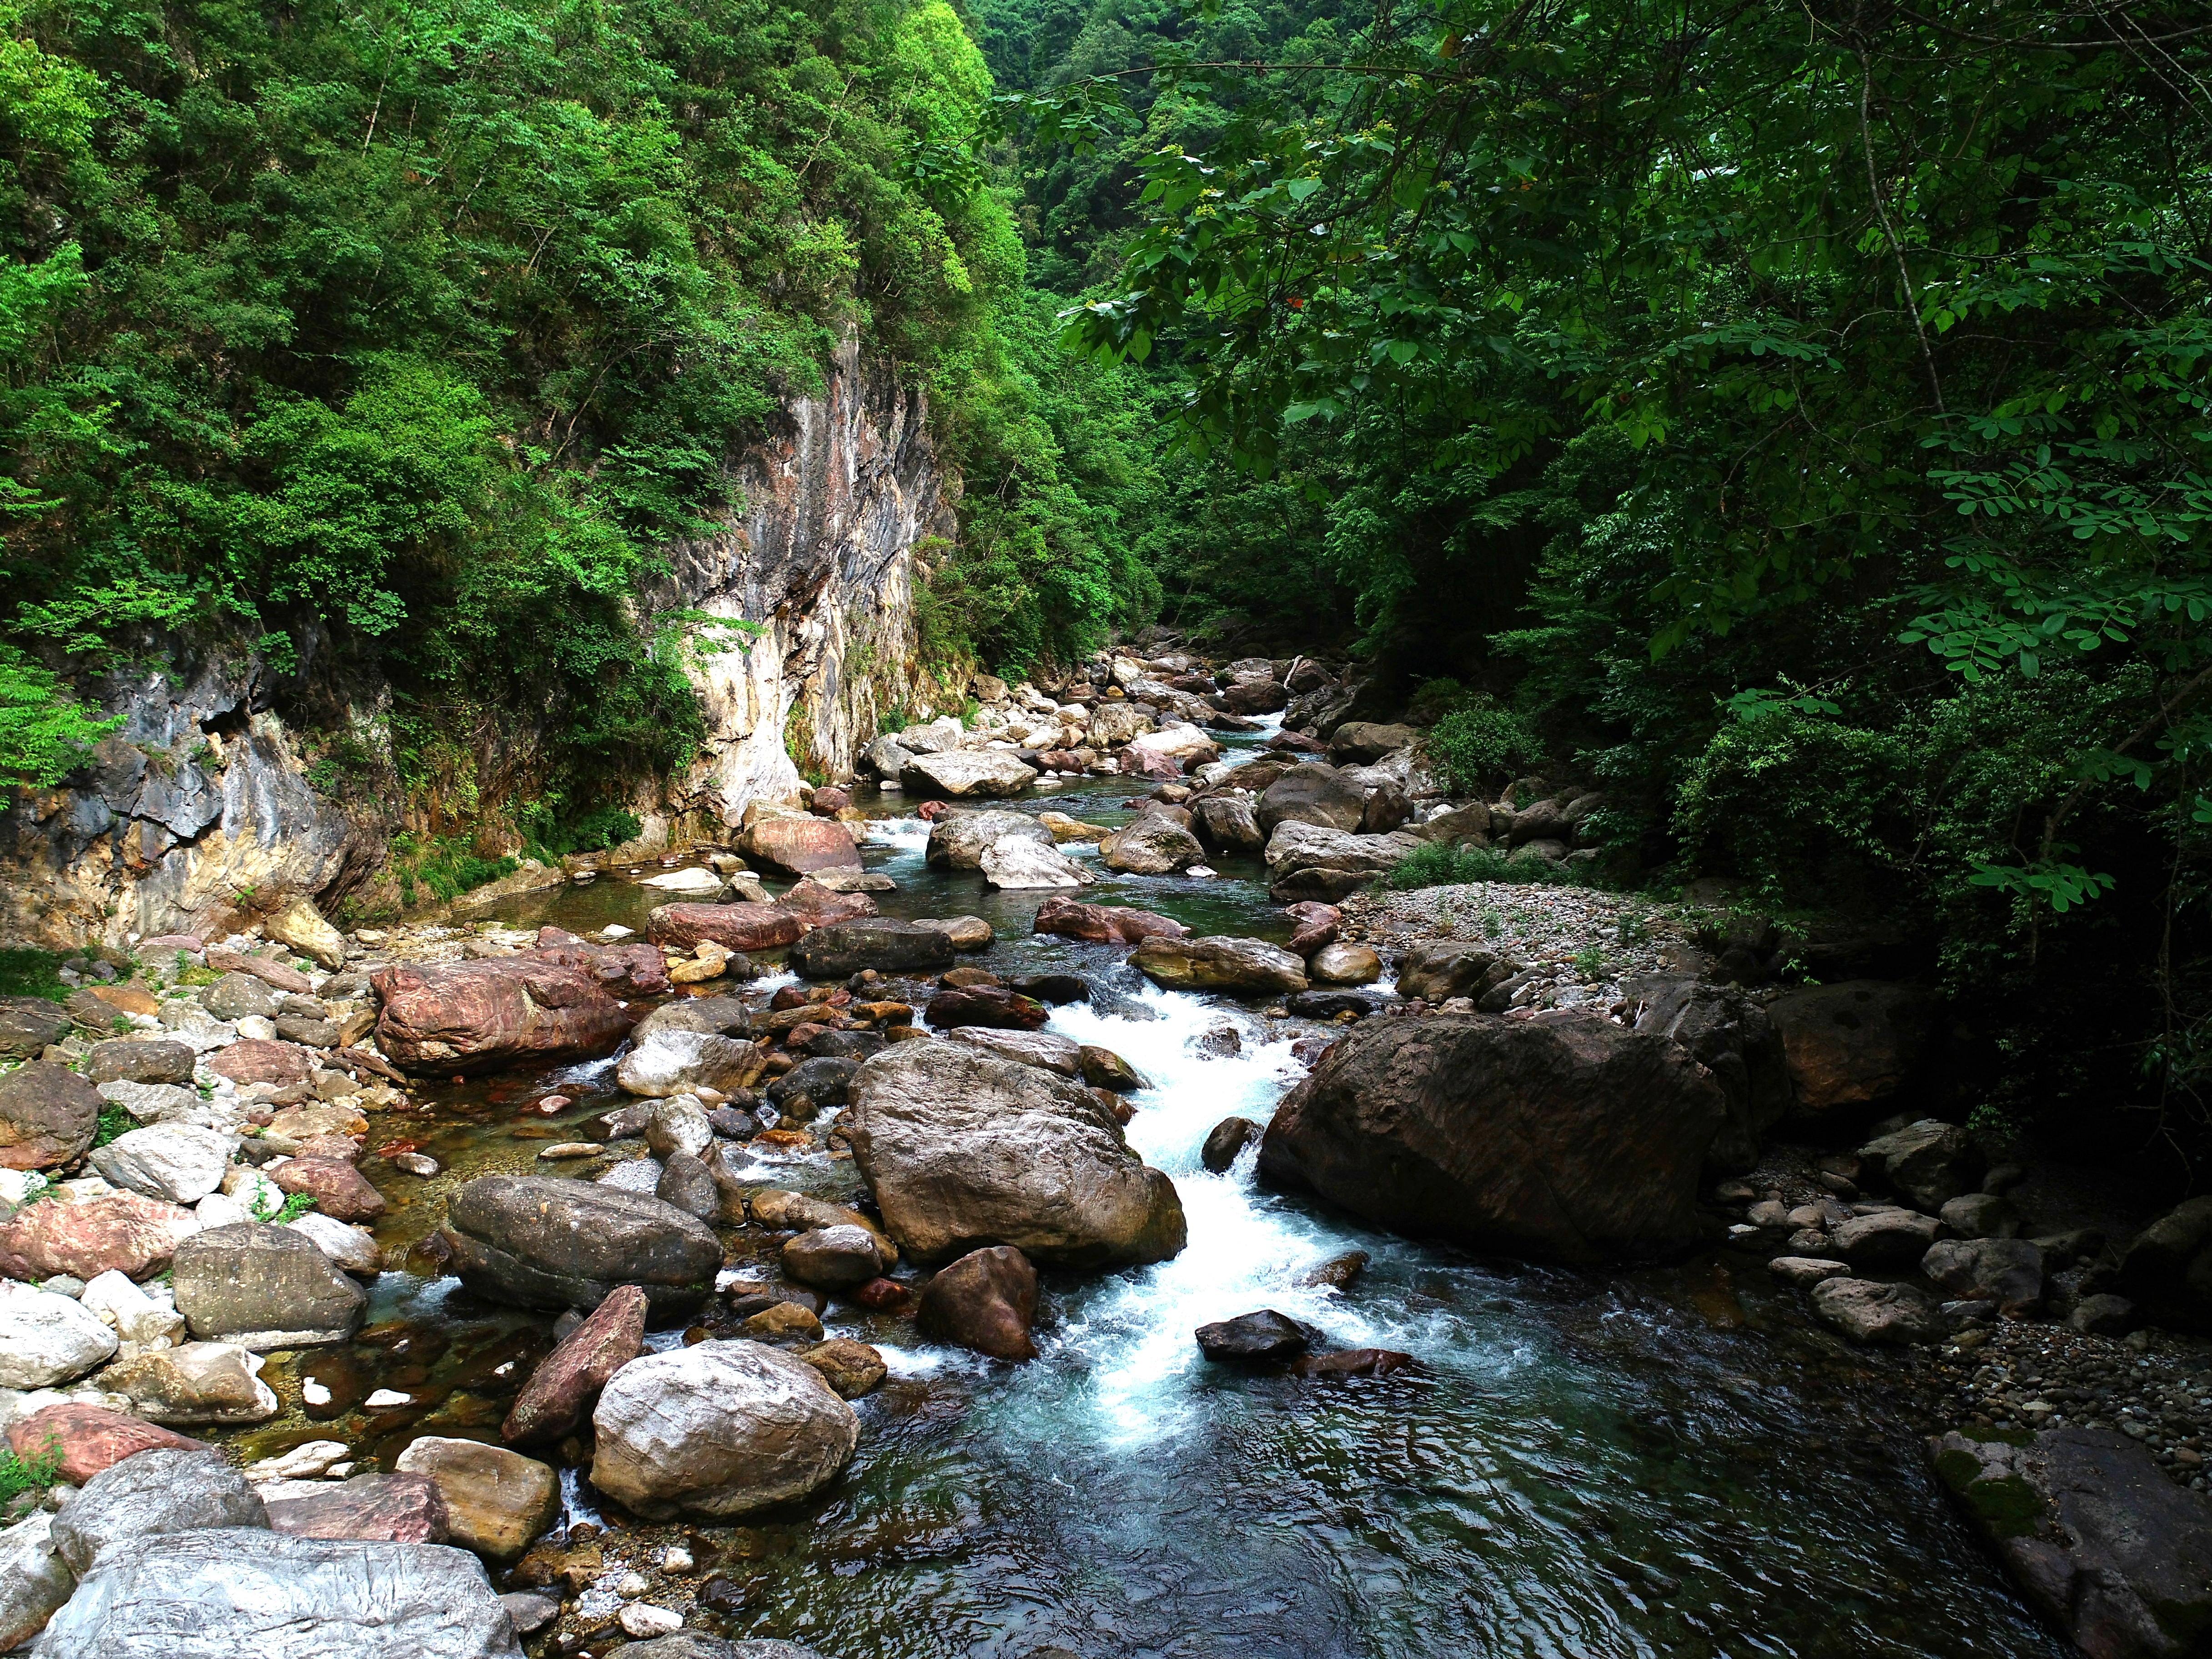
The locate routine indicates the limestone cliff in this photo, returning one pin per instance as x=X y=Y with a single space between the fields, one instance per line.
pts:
x=207 y=803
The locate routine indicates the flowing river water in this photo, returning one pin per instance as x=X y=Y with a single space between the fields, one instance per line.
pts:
x=1662 y=1461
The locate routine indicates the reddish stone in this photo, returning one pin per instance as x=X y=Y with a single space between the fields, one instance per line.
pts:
x=1294 y=743
x=1351 y=1362
x=262 y=1060
x=127 y=999
x=275 y=974
x=1138 y=761
x=464 y=1017
x=742 y=928
x=1103 y=924
x=48 y=1115
x=1060 y=760
x=829 y=802
x=361 y=1059
x=796 y=846
x=342 y=1149
x=985 y=1004
x=930 y=810
x=392 y=1509
x=561 y=1389
x=90 y=1438
x=166 y=944
x=987 y=1301
x=340 y=1191
x=884 y=1295
x=1318 y=925
x=127 y=1231
x=819 y=907
x=1255 y=697
x=626 y=971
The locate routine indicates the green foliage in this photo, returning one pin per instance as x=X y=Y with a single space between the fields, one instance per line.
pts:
x=446 y=868
x=551 y=838
x=1479 y=746
x=295 y=1205
x=38 y=1473
x=115 y=1122
x=26 y=971
x=44 y=732
x=1436 y=865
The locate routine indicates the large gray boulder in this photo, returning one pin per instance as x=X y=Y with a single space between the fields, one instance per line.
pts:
x=963 y=1149
x=2094 y=1535
x=1227 y=824
x=2006 y=1271
x=1930 y=1162
x=1311 y=861
x=1855 y=1047
x=715 y=1016
x=182 y=1162
x=124 y=1059
x=1314 y=794
x=164 y=1490
x=239 y=1594
x=1560 y=1137
x=1868 y=1310
x=845 y=948
x=717 y=1430
x=46 y=1339
x=1729 y=1034
x=545 y=1243
x=958 y=839
x=1150 y=844
x=28 y=1026
x=964 y=773
x=264 y=1287
x=1243 y=967
x=34 y=1580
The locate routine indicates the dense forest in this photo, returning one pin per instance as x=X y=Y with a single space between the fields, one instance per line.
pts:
x=1794 y=420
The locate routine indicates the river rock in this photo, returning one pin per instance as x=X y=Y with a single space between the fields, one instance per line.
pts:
x=263 y=1060
x=1980 y=1215
x=832 y=1258
x=668 y=1062
x=798 y=846
x=984 y=1004
x=544 y=1243
x=341 y=1191
x=1344 y=964
x=1363 y=742
x=2006 y=1271
x=568 y=1380
x=301 y=926
x=1226 y=1140
x=852 y=1369
x=1241 y=967
x=34 y=1581
x=1562 y=1137
x=213 y=1383
x=264 y=1287
x=1857 y=1046
x=496 y=1502
x=28 y=1025
x=783 y=1211
x=886 y=757
x=1730 y=1036
x=738 y=927
x=119 y=1060
x=143 y=1497
x=353 y=1249
x=1436 y=973
x=479 y=1016
x=845 y=948
x=959 y=841
x=814 y=1086
x=47 y=1117
x=985 y=1300
x=2094 y=1535
x=1887 y=1238
x=389 y=1509
x=237 y=996
x=46 y=1339
x=126 y=1232
x=717 y=1430
x=1311 y=793
x=817 y=905
x=1058 y=1054
x=88 y=1439
x=961 y=774
x=1806 y=1270
x=1153 y=844
x=1253 y=1338
x=716 y=1016
x=1102 y=1068
x=1227 y=824
x=1868 y=1310
x=1308 y=862
x=962 y=1148
x=2167 y=1271
x=1104 y=924
x=222 y=1595
x=687 y=1184
x=1020 y=866
x=1929 y=1163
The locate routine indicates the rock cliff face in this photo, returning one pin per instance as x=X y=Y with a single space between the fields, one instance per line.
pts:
x=836 y=502
x=206 y=805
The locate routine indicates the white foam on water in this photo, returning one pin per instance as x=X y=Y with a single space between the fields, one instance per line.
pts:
x=907 y=835
x=1244 y=1252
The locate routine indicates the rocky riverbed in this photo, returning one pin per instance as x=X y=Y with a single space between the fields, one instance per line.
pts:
x=1055 y=1150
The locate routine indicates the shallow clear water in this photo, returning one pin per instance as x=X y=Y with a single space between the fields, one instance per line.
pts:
x=1660 y=1462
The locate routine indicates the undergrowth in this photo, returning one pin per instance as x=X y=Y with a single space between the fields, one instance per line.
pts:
x=30 y=972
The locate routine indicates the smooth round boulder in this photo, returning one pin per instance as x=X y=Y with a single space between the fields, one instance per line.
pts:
x=29 y=1025
x=46 y=1339
x=1868 y=1310
x=542 y=1242
x=743 y=928
x=1225 y=1140
x=964 y=1148
x=958 y=839
x=122 y=1061
x=845 y=948
x=1311 y=793
x=667 y=1062
x=211 y=1383
x=985 y=1301
x=89 y=1439
x=964 y=773
x=1151 y=844
x=125 y=1232
x=167 y=1490
x=852 y=1369
x=1246 y=967
x=1344 y=964
x=264 y=1287
x=497 y=1502
x=1253 y=1338
x=717 y=1430
x=832 y=1258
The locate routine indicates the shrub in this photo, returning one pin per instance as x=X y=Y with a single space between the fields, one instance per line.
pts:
x=1475 y=746
x=29 y=972
x=1438 y=866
